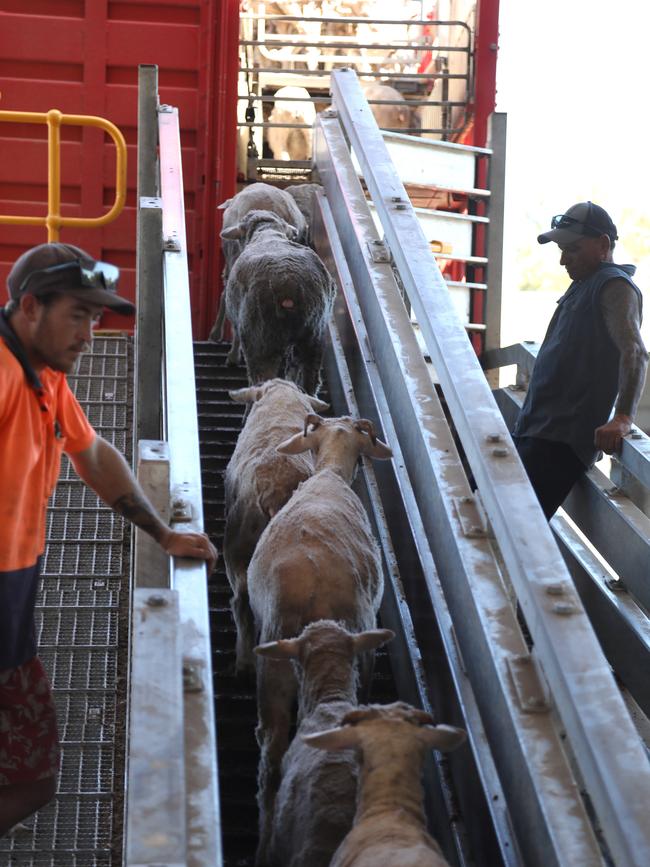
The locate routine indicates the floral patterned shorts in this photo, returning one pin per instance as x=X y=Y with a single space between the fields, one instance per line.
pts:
x=29 y=739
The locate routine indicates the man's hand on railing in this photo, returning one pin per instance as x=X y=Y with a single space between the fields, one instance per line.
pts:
x=194 y=545
x=609 y=437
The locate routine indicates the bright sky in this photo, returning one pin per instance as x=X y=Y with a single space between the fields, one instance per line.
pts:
x=572 y=76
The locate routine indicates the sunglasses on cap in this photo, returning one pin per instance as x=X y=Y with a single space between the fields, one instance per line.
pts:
x=99 y=275
x=562 y=221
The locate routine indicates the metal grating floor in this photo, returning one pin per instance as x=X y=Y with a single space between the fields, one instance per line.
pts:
x=82 y=625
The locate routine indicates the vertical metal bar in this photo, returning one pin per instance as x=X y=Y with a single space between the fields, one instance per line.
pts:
x=496 y=183
x=147 y=130
x=585 y=694
x=151 y=563
x=52 y=220
x=149 y=321
x=189 y=576
x=148 y=364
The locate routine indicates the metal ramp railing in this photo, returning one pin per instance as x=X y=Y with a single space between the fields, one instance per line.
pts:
x=547 y=712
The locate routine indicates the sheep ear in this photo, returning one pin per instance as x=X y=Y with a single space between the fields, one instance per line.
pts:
x=371 y=639
x=378 y=449
x=318 y=404
x=443 y=738
x=232 y=233
x=246 y=395
x=285 y=648
x=224 y=205
x=295 y=445
x=343 y=738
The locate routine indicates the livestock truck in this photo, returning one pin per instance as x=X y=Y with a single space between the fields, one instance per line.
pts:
x=531 y=637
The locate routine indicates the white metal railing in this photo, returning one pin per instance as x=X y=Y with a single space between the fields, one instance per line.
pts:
x=172 y=800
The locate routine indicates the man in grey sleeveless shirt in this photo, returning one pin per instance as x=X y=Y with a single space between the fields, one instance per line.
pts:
x=592 y=360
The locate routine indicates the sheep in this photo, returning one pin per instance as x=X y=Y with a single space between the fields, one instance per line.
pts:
x=278 y=299
x=256 y=197
x=258 y=481
x=316 y=559
x=305 y=197
x=391 y=116
x=290 y=143
x=315 y=803
x=390 y=823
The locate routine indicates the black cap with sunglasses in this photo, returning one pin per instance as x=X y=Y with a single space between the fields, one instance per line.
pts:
x=60 y=267
x=582 y=220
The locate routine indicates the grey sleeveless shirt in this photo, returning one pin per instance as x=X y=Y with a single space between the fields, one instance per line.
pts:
x=575 y=379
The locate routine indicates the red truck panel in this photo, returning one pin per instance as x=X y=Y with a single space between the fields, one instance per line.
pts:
x=82 y=58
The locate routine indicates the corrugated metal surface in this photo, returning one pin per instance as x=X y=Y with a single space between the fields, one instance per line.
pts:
x=82 y=57
x=82 y=619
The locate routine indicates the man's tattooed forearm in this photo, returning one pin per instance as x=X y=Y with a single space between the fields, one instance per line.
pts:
x=137 y=510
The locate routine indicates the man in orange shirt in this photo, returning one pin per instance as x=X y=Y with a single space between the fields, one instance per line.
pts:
x=57 y=293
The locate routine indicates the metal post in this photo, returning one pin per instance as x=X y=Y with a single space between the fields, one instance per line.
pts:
x=498 y=123
x=148 y=355
x=151 y=563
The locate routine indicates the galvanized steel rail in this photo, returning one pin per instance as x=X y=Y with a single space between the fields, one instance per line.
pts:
x=582 y=689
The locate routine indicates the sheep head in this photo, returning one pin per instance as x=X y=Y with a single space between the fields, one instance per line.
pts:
x=255 y=221
x=364 y=726
x=324 y=636
x=337 y=442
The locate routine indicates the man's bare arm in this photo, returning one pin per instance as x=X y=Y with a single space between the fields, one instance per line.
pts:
x=104 y=469
x=620 y=307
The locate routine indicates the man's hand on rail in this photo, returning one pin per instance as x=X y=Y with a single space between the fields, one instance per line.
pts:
x=194 y=545
x=609 y=437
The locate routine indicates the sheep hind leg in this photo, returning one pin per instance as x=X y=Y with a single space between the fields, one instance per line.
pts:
x=276 y=693
x=234 y=356
x=309 y=361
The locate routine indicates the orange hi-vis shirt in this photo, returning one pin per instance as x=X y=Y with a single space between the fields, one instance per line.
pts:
x=39 y=419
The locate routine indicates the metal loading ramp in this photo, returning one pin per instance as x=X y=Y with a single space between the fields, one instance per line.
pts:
x=82 y=619
x=554 y=772
x=220 y=421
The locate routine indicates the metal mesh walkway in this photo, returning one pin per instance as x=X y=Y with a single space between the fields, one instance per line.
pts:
x=82 y=627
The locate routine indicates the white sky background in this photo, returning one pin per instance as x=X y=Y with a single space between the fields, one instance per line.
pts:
x=573 y=77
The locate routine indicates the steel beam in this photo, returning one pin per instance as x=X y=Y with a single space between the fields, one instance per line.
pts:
x=189 y=576
x=623 y=628
x=150 y=562
x=583 y=689
x=155 y=823
x=548 y=814
x=348 y=335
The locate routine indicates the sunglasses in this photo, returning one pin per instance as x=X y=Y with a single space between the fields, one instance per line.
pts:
x=561 y=221
x=100 y=275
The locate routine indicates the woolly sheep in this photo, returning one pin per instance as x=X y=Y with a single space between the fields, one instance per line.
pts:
x=258 y=481
x=390 y=823
x=256 y=197
x=316 y=559
x=315 y=804
x=389 y=116
x=291 y=143
x=278 y=298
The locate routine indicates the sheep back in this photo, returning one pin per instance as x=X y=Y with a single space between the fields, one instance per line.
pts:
x=316 y=560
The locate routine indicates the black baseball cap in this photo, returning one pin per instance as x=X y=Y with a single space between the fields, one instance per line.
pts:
x=582 y=220
x=57 y=267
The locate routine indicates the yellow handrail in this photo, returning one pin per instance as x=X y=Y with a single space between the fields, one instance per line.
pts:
x=54 y=120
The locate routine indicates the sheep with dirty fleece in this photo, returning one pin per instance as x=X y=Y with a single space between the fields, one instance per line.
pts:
x=316 y=800
x=292 y=105
x=278 y=298
x=390 y=824
x=258 y=481
x=256 y=197
x=305 y=196
x=316 y=560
